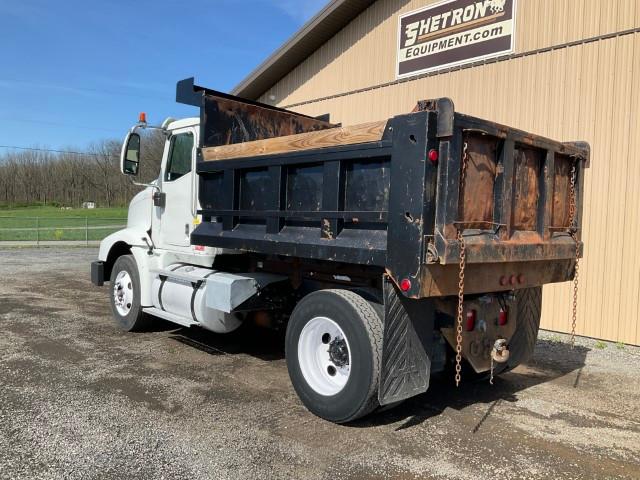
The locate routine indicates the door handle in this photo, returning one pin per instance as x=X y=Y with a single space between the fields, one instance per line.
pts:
x=159 y=199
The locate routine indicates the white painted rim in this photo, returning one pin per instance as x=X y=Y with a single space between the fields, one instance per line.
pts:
x=123 y=293
x=319 y=371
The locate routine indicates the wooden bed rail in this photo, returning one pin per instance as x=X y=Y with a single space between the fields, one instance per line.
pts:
x=363 y=133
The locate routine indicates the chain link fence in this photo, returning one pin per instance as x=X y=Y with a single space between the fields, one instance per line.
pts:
x=40 y=231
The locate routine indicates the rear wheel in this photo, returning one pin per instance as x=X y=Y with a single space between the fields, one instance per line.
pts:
x=333 y=350
x=125 y=295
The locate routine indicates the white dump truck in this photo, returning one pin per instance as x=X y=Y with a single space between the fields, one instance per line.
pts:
x=389 y=251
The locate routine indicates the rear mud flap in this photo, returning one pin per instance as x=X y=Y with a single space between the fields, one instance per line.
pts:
x=408 y=337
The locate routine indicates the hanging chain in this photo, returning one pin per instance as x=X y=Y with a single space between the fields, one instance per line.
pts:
x=462 y=246
x=574 y=234
x=491 y=374
x=463 y=173
x=460 y=307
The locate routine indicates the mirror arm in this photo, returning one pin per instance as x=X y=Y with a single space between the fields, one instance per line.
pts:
x=144 y=126
x=139 y=184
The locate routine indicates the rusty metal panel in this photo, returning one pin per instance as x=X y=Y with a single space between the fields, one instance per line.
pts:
x=442 y=280
x=477 y=344
x=528 y=171
x=562 y=177
x=228 y=121
x=477 y=195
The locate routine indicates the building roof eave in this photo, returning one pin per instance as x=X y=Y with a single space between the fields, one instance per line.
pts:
x=311 y=36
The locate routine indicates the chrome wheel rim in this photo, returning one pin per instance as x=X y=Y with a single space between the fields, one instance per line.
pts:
x=324 y=356
x=123 y=293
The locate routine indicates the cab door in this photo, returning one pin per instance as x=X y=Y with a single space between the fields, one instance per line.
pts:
x=178 y=189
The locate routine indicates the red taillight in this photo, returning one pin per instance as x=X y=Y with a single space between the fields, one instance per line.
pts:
x=405 y=284
x=503 y=317
x=471 y=320
x=511 y=279
x=433 y=155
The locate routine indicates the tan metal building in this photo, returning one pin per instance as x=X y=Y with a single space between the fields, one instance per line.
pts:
x=573 y=73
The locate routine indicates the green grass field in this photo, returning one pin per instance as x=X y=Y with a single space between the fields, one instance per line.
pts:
x=51 y=223
x=42 y=211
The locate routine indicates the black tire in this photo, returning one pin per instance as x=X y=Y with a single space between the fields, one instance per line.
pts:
x=372 y=295
x=362 y=325
x=135 y=320
x=523 y=342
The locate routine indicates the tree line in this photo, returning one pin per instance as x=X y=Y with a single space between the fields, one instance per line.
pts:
x=68 y=178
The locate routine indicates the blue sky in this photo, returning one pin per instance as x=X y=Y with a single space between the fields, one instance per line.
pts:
x=73 y=72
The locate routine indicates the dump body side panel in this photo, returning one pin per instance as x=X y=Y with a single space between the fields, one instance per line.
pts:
x=326 y=204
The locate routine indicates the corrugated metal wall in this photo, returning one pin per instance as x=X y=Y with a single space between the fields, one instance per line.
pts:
x=589 y=91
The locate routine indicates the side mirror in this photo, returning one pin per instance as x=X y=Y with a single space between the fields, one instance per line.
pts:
x=130 y=154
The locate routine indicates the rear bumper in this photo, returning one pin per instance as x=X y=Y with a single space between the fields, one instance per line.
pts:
x=97 y=273
x=443 y=280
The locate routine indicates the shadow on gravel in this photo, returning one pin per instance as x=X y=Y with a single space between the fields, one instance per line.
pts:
x=552 y=360
x=250 y=340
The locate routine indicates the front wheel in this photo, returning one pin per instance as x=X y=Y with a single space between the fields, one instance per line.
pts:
x=125 y=295
x=333 y=349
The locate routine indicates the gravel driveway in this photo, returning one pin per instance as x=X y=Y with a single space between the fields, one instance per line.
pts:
x=81 y=400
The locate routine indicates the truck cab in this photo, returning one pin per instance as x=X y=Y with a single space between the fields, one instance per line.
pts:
x=163 y=214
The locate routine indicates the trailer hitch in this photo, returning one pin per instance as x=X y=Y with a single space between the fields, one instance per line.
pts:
x=499 y=354
x=500 y=351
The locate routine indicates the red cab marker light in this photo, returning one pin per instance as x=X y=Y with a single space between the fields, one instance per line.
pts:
x=512 y=280
x=521 y=278
x=433 y=155
x=142 y=118
x=471 y=320
x=503 y=280
x=503 y=317
x=405 y=284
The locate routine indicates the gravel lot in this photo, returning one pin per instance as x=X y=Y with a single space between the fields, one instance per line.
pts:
x=81 y=400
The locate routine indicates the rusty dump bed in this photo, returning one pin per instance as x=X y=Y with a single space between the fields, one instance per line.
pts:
x=277 y=183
